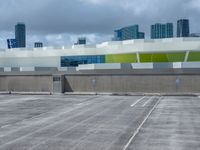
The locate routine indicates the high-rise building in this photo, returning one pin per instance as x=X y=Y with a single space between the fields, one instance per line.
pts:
x=20 y=35
x=159 y=31
x=38 y=44
x=12 y=43
x=195 y=35
x=117 y=35
x=183 y=28
x=169 y=30
x=81 y=41
x=128 y=33
x=141 y=35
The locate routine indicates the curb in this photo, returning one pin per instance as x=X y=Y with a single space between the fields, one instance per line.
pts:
x=132 y=94
x=30 y=93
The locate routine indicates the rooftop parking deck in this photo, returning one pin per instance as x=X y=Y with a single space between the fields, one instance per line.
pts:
x=69 y=122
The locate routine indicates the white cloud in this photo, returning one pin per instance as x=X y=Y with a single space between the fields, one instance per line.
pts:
x=94 y=1
x=194 y=4
x=62 y=21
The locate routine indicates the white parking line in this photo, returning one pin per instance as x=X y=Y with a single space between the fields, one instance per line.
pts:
x=18 y=100
x=4 y=126
x=138 y=129
x=137 y=101
x=148 y=101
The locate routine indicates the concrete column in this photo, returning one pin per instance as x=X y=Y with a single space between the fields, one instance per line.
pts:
x=186 y=56
x=138 y=57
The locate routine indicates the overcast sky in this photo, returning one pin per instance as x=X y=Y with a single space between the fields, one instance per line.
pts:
x=60 y=22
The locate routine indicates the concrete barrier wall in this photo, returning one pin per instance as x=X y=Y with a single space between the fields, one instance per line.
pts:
x=147 y=83
x=24 y=83
x=133 y=83
x=3 y=83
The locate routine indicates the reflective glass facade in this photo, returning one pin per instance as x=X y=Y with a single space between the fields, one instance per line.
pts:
x=159 y=31
x=183 y=28
x=72 y=61
x=20 y=35
x=38 y=44
x=141 y=35
x=169 y=30
x=12 y=43
x=128 y=33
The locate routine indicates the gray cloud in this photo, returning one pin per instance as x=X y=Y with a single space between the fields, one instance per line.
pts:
x=45 y=18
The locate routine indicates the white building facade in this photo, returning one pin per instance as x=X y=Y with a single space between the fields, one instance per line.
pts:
x=131 y=51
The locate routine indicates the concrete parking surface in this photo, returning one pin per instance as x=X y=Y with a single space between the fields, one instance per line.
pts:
x=62 y=122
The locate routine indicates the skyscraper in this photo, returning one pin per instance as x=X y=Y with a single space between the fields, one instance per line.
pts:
x=81 y=41
x=38 y=44
x=159 y=30
x=12 y=43
x=20 y=35
x=117 y=35
x=183 y=28
x=169 y=30
x=195 y=35
x=128 y=33
x=141 y=35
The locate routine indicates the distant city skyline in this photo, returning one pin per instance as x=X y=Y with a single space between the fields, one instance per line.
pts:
x=50 y=22
x=157 y=31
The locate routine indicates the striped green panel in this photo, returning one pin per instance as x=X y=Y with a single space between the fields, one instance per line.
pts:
x=121 y=58
x=162 y=57
x=194 y=56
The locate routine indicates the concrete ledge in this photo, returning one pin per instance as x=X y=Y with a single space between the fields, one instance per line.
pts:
x=27 y=69
x=80 y=93
x=178 y=94
x=177 y=65
x=101 y=93
x=99 y=66
x=135 y=94
x=139 y=66
x=4 y=92
x=190 y=65
x=104 y=93
x=132 y=94
x=67 y=69
x=30 y=93
x=142 y=65
x=7 y=69
x=162 y=65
